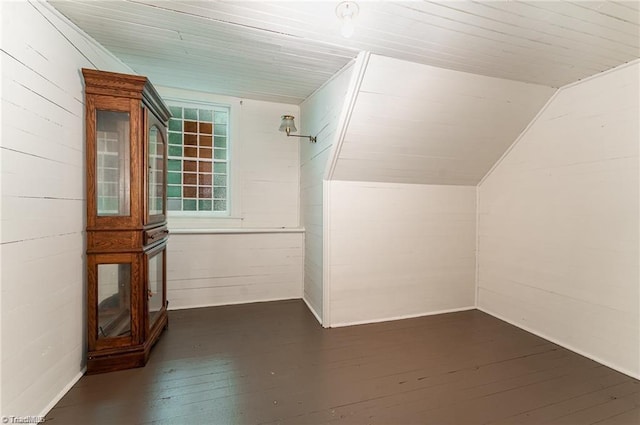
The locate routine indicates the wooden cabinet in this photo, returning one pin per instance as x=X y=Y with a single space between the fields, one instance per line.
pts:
x=126 y=219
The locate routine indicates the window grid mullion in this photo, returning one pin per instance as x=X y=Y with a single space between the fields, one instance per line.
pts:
x=198 y=189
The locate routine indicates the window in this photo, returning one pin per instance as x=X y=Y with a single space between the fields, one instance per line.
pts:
x=198 y=169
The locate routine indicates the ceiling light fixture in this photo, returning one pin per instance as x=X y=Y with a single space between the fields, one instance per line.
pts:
x=288 y=125
x=347 y=11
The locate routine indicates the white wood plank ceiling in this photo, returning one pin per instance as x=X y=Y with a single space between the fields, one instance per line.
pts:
x=283 y=50
x=415 y=123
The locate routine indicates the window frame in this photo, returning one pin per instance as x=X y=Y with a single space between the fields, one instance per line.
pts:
x=232 y=206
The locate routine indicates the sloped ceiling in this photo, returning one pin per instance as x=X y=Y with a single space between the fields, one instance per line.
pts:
x=449 y=86
x=283 y=50
x=415 y=123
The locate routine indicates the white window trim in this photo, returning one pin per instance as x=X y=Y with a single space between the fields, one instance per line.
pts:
x=202 y=219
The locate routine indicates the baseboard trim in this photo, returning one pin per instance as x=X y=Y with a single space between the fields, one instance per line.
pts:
x=406 y=316
x=187 y=307
x=313 y=310
x=562 y=344
x=62 y=393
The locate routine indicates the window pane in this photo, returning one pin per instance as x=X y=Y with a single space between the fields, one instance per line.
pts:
x=220 y=130
x=205 y=115
x=175 y=138
x=174 y=165
x=220 y=193
x=204 y=205
x=220 y=142
x=173 y=178
x=190 y=114
x=176 y=111
x=175 y=150
x=114 y=300
x=220 y=117
x=155 y=158
x=190 y=126
x=112 y=163
x=190 y=178
x=204 y=179
x=204 y=192
x=220 y=180
x=205 y=128
x=198 y=178
x=154 y=294
x=190 y=139
x=220 y=167
x=175 y=125
x=190 y=191
x=174 y=191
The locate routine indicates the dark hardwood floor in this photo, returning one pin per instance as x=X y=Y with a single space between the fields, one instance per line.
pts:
x=272 y=363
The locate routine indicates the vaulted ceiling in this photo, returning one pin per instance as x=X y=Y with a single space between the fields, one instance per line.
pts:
x=414 y=123
x=284 y=50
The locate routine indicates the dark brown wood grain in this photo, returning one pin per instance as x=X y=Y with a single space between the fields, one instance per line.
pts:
x=156 y=234
x=114 y=241
x=113 y=84
x=96 y=344
x=138 y=173
x=270 y=363
x=90 y=155
x=124 y=239
x=152 y=332
x=95 y=222
x=152 y=121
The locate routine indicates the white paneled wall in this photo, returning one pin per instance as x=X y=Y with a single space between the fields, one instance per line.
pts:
x=216 y=269
x=320 y=117
x=208 y=268
x=558 y=218
x=269 y=167
x=43 y=203
x=400 y=250
x=264 y=164
x=415 y=123
x=559 y=223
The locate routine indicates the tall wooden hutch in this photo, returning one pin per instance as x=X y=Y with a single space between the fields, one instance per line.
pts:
x=126 y=219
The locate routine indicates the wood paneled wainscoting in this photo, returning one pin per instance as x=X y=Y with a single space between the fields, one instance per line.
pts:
x=273 y=363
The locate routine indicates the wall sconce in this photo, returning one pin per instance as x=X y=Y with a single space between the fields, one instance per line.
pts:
x=287 y=125
x=347 y=11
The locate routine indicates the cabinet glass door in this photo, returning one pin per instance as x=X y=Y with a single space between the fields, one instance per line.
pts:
x=156 y=284
x=112 y=163
x=155 y=161
x=114 y=300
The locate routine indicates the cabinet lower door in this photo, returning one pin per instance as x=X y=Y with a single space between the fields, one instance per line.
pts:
x=156 y=294
x=112 y=300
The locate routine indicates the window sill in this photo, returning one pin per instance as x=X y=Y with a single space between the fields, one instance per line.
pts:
x=186 y=222
x=235 y=231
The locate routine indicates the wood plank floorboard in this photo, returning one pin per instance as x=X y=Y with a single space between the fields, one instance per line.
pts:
x=272 y=363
